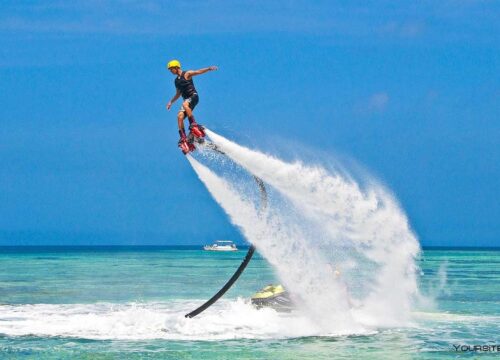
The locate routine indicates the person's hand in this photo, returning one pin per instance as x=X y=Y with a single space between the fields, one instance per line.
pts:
x=169 y=105
x=213 y=68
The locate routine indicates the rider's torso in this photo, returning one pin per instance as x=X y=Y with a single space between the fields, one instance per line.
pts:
x=186 y=87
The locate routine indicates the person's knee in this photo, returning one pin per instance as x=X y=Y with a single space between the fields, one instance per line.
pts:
x=180 y=116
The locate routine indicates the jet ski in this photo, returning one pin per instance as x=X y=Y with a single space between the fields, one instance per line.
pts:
x=273 y=296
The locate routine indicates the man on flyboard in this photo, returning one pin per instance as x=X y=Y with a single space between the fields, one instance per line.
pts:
x=184 y=86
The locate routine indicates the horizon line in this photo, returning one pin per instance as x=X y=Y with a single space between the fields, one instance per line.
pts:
x=430 y=247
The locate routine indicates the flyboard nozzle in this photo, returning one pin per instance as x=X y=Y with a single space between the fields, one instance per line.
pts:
x=184 y=146
x=197 y=130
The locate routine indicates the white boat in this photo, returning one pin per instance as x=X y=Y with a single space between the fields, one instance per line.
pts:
x=221 y=245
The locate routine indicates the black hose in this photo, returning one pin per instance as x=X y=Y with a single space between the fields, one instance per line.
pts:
x=226 y=287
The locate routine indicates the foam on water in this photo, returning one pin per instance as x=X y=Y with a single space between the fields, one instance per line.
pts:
x=363 y=233
x=227 y=319
x=236 y=319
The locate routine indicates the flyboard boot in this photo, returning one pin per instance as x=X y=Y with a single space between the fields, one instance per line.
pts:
x=197 y=130
x=185 y=144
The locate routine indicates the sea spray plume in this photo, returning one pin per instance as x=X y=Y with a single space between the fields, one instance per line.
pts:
x=283 y=243
x=437 y=285
x=367 y=229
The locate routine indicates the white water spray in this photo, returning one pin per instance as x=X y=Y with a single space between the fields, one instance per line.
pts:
x=363 y=232
x=285 y=246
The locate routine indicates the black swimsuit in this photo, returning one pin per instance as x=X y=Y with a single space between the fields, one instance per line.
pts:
x=187 y=89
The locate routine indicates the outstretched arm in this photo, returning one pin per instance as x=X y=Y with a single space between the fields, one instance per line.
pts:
x=176 y=96
x=191 y=73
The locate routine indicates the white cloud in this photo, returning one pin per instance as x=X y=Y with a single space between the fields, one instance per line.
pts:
x=378 y=101
x=336 y=21
x=408 y=29
x=374 y=103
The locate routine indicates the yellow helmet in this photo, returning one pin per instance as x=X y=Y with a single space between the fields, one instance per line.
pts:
x=173 y=63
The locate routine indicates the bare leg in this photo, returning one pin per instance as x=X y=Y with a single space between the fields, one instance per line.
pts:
x=188 y=112
x=180 y=122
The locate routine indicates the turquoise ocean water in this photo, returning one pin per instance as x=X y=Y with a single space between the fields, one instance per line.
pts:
x=129 y=302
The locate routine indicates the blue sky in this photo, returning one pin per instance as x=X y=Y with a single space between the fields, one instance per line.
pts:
x=88 y=152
